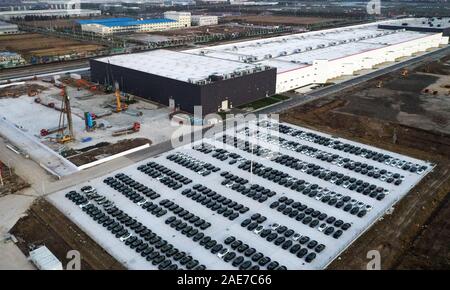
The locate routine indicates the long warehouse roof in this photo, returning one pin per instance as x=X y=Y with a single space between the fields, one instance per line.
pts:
x=285 y=53
x=299 y=50
x=178 y=65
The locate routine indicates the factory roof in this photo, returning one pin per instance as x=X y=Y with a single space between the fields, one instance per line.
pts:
x=181 y=66
x=103 y=20
x=119 y=22
x=298 y=50
x=433 y=22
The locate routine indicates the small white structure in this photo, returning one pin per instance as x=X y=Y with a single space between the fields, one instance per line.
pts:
x=44 y=259
x=183 y=18
x=202 y=20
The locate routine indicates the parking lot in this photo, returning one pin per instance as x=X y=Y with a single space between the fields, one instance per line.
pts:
x=263 y=196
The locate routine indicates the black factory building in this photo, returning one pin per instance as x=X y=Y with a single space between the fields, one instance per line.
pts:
x=186 y=95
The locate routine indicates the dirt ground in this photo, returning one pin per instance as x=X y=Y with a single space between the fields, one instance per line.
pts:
x=11 y=182
x=91 y=154
x=277 y=20
x=416 y=234
x=204 y=30
x=45 y=225
x=17 y=91
x=426 y=252
x=33 y=44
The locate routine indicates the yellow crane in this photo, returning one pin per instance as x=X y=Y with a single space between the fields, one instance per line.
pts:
x=119 y=106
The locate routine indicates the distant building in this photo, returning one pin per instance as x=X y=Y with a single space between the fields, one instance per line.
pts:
x=8 y=28
x=7 y=15
x=201 y=20
x=44 y=259
x=126 y=25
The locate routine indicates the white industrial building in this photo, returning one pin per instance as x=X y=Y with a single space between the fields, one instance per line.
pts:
x=202 y=20
x=7 y=15
x=296 y=60
x=183 y=18
x=315 y=57
x=171 y=20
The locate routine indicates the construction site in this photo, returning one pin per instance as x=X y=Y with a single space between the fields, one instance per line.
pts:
x=79 y=122
x=359 y=160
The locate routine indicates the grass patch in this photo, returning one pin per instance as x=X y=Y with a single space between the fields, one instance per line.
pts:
x=279 y=97
x=261 y=103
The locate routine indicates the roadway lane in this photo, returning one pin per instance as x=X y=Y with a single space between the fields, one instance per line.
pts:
x=17 y=74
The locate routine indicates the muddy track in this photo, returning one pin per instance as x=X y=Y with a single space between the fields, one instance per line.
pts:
x=45 y=225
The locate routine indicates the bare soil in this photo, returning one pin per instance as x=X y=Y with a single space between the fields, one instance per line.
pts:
x=45 y=225
x=416 y=235
x=34 y=44
x=90 y=154
x=12 y=183
x=277 y=20
x=19 y=90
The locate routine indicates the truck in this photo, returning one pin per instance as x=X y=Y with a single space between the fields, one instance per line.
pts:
x=136 y=127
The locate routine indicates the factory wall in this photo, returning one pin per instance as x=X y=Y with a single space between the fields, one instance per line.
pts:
x=160 y=89
x=322 y=70
x=152 y=87
x=238 y=91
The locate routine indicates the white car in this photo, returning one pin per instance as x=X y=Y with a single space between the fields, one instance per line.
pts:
x=274 y=226
x=222 y=253
x=258 y=230
x=296 y=237
x=123 y=239
x=322 y=227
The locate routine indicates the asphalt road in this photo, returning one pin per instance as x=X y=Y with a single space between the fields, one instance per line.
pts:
x=42 y=70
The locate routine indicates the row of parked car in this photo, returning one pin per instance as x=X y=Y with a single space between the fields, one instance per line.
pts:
x=215 y=201
x=165 y=175
x=253 y=191
x=333 y=158
x=284 y=237
x=187 y=161
x=331 y=198
x=352 y=183
x=311 y=217
x=135 y=235
x=186 y=215
x=346 y=147
x=248 y=256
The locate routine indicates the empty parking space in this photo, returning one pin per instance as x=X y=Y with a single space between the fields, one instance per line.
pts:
x=260 y=196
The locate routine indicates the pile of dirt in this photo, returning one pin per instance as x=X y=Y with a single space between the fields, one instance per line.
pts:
x=12 y=183
x=91 y=153
x=45 y=225
x=20 y=90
